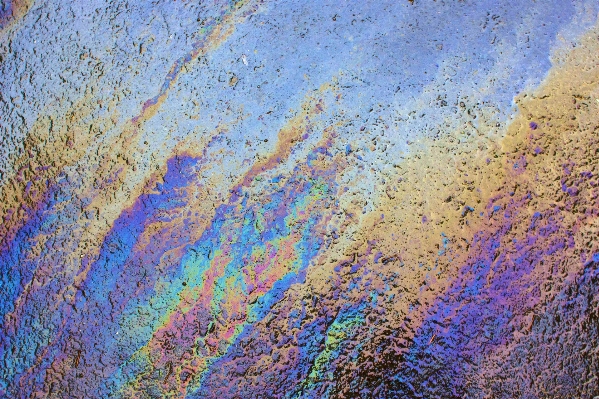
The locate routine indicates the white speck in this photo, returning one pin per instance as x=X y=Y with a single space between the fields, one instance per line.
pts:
x=244 y=59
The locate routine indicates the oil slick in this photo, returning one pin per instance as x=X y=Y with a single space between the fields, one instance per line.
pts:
x=286 y=203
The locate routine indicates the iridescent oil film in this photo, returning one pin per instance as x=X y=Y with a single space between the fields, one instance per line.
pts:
x=239 y=199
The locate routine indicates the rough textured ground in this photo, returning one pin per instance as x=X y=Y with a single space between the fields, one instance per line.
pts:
x=293 y=199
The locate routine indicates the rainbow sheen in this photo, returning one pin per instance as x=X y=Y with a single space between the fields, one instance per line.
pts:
x=295 y=199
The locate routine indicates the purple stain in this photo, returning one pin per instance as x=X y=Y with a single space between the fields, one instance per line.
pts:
x=586 y=174
x=567 y=169
x=538 y=150
x=378 y=256
x=424 y=219
x=533 y=125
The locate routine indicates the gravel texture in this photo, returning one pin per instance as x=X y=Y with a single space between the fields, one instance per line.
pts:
x=299 y=199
